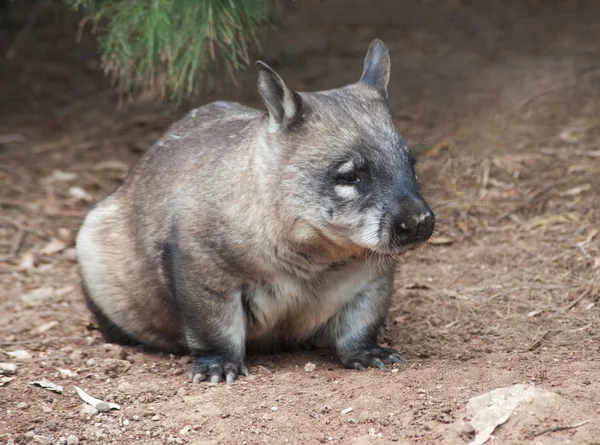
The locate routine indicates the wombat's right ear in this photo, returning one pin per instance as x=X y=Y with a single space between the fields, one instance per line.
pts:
x=283 y=103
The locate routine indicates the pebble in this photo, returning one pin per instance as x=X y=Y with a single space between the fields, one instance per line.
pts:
x=38 y=438
x=102 y=407
x=310 y=367
x=156 y=417
x=72 y=440
x=87 y=411
x=22 y=405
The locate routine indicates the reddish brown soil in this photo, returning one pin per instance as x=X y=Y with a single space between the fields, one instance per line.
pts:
x=506 y=95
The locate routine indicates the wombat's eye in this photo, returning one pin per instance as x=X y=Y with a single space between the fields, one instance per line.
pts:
x=349 y=178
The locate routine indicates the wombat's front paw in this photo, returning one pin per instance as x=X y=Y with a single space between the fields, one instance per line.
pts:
x=216 y=369
x=374 y=357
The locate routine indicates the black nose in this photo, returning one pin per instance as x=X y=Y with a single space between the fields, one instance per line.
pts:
x=413 y=220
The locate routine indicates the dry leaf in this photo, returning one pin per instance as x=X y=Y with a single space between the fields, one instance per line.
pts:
x=5 y=380
x=37 y=296
x=440 y=241
x=66 y=373
x=576 y=190
x=111 y=164
x=27 y=261
x=61 y=176
x=20 y=354
x=418 y=286
x=79 y=193
x=54 y=246
x=100 y=405
x=62 y=291
x=47 y=385
x=43 y=328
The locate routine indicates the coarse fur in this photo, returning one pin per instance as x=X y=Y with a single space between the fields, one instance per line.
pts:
x=243 y=230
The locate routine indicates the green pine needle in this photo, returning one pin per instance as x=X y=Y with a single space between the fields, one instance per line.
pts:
x=172 y=48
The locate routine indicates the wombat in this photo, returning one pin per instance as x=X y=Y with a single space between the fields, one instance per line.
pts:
x=243 y=230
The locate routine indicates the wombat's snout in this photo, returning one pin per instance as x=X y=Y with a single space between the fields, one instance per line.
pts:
x=413 y=220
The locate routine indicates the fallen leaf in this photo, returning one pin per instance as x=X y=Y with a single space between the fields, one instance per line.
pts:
x=43 y=328
x=100 y=405
x=418 y=286
x=66 y=373
x=62 y=176
x=111 y=164
x=37 y=296
x=47 y=385
x=19 y=354
x=79 y=193
x=8 y=368
x=440 y=240
x=54 y=246
x=27 y=261
x=6 y=380
x=576 y=190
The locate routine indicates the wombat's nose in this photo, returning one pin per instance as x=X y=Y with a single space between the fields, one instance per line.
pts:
x=414 y=220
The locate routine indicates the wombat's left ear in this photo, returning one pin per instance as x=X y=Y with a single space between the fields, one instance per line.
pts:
x=376 y=71
x=283 y=103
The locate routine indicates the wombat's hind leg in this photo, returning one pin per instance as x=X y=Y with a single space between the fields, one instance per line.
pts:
x=110 y=331
x=211 y=319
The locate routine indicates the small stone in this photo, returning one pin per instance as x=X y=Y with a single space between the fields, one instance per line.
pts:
x=22 y=405
x=8 y=368
x=76 y=356
x=102 y=406
x=273 y=408
x=156 y=417
x=87 y=411
x=310 y=367
x=29 y=434
x=90 y=362
x=72 y=440
x=38 y=438
x=62 y=440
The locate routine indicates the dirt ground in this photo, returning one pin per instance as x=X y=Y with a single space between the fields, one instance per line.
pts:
x=502 y=98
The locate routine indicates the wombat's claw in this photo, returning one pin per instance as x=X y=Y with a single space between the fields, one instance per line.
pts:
x=376 y=357
x=216 y=369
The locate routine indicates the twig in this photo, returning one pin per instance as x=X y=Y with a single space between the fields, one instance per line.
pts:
x=537 y=341
x=560 y=428
x=581 y=296
x=17 y=239
x=531 y=198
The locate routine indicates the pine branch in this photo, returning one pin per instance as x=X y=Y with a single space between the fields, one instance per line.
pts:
x=173 y=48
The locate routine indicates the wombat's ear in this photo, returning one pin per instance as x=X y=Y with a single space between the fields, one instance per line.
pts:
x=376 y=71
x=283 y=103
